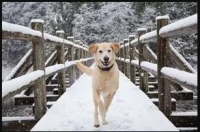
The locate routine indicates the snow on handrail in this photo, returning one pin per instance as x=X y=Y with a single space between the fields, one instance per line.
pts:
x=17 y=83
x=182 y=27
x=150 y=67
x=186 y=79
x=134 y=42
x=126 y=44
x=24 y=31
x=14 y=28
x=149 y=37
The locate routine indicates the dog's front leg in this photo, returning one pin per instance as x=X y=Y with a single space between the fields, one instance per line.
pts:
x=99 y=102
x=96 y=118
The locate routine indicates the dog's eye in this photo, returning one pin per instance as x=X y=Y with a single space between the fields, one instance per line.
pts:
x=109 y=50
x=100 y=51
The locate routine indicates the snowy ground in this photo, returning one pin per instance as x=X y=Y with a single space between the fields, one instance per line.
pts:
x=131 y=110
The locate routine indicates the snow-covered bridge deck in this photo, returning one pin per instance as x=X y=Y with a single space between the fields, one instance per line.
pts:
x=131 y=110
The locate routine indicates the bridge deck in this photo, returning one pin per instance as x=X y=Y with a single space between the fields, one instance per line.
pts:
x=131 y=110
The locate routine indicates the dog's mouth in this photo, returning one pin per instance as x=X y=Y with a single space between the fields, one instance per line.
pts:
x=106 y=63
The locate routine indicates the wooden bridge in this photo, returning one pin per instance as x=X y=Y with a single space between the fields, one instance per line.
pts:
x=146 y=81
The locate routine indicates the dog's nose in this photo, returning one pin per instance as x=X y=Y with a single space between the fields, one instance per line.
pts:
x=106 y=58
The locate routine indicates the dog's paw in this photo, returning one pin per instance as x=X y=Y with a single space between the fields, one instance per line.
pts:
x=96 y=125
x=105 y=122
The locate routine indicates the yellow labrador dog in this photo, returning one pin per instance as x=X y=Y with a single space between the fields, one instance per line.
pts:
x=105 y=77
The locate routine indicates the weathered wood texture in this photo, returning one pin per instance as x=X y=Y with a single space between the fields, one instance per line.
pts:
x=143 y=74
x=164 y=90
x=61 y=60
x=39 y=64
x=71 y=57
x=132 y=57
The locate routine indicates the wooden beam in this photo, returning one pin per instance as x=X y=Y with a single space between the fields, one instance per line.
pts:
x=164 y=90
x=39 y=64
x=61 y=60
x=71 y=57
x=143 y=74
x=132 y=57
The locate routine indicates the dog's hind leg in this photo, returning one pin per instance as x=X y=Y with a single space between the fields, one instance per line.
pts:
x=97 y=98
x=108 y=101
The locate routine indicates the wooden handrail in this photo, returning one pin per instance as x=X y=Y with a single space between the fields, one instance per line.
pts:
x=18 y=32
x=17 y=83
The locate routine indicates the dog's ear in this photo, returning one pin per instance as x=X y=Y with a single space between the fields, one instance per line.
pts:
x=115 y=47
x=93 y=48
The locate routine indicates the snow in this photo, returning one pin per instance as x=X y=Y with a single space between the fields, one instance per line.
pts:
x=21 y=29
x=134 y=42
x=60 y=31
x=131 y=36
x=149 y=37
x=156 y=99
x=135 y=62
x=37 y=21
x=16 y=83
x=127 y=60
x=187 y=128
x=130 y=109
x=190 y=113
x=141 y=29
x=17 y=118
x=149 y=65
x=162 y=17
x=181 y=24
x=54 y=68
x=126 y=44
x=70 y=37
x=10 y=75
x=180 y=75
x=182 y=59
x=25 y=30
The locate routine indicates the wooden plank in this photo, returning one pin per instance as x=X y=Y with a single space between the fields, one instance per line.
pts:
x=163 y=60
x=29 y=100
x=184 y=120
x=173 y=103
x=18 y=125
x=39 y=64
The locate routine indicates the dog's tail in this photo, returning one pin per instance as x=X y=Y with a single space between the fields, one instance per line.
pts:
x=84 y=68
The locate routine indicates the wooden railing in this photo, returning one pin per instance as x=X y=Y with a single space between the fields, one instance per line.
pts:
x=43 y=71
x=159 y=65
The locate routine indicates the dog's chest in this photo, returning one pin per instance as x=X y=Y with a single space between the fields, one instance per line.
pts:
x=106 y=84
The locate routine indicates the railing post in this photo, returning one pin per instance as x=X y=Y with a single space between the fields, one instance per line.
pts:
x=121 y=55
x=61 y=60
x=125 y=57
x=132 y=57
x=39 y=64
x=142 y=74
x=77 y=57
x=71 y=58
x=164 y=90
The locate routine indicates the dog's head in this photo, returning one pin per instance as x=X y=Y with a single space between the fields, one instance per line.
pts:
x=104 y=53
